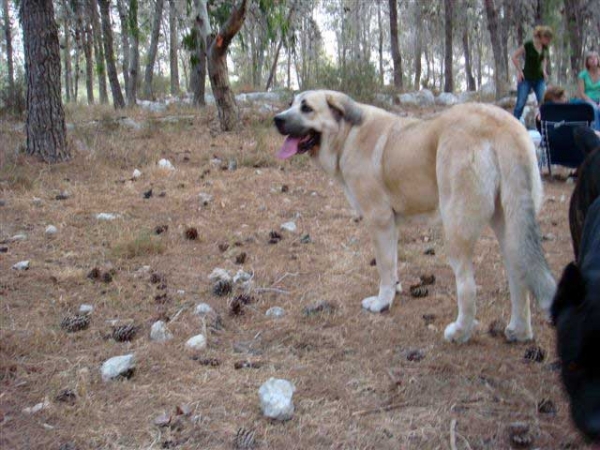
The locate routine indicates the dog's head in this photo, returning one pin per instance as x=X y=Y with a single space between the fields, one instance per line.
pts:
x=576 y=314
x=312 y=117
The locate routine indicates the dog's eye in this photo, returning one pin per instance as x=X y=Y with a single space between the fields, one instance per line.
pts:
x=306 y=109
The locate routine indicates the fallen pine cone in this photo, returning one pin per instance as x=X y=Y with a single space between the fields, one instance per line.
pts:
x=419 y=291
x=427 y=280
x=245 y=438
x=191 y=234
x=222 y=288
x=212 y=362
x=72 y=324
x=247 y=365
x=124 y=333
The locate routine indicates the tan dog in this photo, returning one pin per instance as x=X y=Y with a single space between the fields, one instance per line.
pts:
x=473 y=164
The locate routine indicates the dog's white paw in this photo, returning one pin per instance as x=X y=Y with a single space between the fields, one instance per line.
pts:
x=374 y=304
x=455 y=333
x=518 y=335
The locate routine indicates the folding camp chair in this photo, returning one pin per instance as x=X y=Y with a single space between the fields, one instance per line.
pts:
x=558 y=121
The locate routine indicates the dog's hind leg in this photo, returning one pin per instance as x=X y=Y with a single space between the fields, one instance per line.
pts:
x=519 y=327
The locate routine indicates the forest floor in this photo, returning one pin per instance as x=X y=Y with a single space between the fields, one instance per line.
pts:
x=360 y=379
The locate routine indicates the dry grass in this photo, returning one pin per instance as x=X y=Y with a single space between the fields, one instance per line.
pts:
x=355 y=386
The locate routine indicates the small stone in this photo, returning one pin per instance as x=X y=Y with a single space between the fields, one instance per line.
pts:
x=318 y=308
x=219 y=274
x=232 y=165
x=85 y=309
x=548 y=237
x=216 y=162
x=429 y=319
x=66 y=396
x=180 y=292
x=205 y=198
x=373 y=262
x=203 y=309
x=21 y=265
x=276 y=399
x=160 y=229
x=241 y=258
x=37 y=201
x=415 y=355
x=148 y=194
x=38 y=407
x=238 y=365
x=106 y=216
x=430 y=251
x=519 y=434
x=118 y=367
x=535 y=354
x=427 y=280
x=51 y=230
x=18 y=237
x=136 y=174
x=195 y=343
x=496 y=328
x=163 y=420
x=305 y=239
x=63 y=196
x=289 y=226
x=242 y=277
x=159 y=332
x=166 y=164
x=275 y=311
x=546 y=406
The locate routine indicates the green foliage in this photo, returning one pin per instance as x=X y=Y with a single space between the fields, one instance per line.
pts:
x=358 y=78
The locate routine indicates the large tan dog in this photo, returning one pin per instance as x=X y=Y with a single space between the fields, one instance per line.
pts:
x=473 y=165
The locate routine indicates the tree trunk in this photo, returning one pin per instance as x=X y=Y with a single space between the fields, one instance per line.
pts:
x=396 y=57
x=68 y=68
x=85 y=39
x=153 y=48
x=173 y=45
x=109 y=54
x=498 y=48
x=380 y=45
x=98 y=51
x=125 y=47
x=9 y=52
x=418 y=46
x=134 y=52
x=278 y=50
x=574 y=12
x=448 y=25
x=201 y=30
x=217 y=67
x=46 y=131
x=468 y=62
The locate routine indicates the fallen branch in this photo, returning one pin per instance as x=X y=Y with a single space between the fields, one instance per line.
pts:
x=391 y=407
x=453 y=434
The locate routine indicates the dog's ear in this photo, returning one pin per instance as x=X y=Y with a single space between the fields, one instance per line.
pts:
x=343 y=107
x=570 y=291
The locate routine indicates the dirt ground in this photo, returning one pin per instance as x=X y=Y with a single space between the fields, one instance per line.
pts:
x=359 y=384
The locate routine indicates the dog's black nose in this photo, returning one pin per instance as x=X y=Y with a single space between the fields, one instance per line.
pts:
x=279 y=121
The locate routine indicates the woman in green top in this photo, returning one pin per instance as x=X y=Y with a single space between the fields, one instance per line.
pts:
x=533 y=75
x=589 y=84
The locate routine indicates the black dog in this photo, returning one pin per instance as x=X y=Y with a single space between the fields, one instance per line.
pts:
x=576 y=314
x=587 y=188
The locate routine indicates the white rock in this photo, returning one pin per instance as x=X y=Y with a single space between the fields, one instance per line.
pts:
x=216 y=162
x=130 y=123
x=275 y=311
x=166 y=164
x=420 y=98
x=18 y=237
x=85 y=309
x=203 y=309
x=136 y=174
x=384 y=98
x=447 y=99
x=242 y=277
x=117 y=366
x=468 y=96
x=289 y=226
x=33 y=409
x=180 y=292
x=488 y=89
x=51 y=230
x=205 y=198
x=159 y=332
x=219 y=275
x=155 y=107
x=276 y=399
x=37 y=201
x=197 y=342
x=21 y=265
x=106 y=216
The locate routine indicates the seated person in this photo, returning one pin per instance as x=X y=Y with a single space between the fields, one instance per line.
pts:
x=589 y=85
x=554 y=94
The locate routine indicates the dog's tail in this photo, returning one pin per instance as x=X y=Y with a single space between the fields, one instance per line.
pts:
x=521 y=197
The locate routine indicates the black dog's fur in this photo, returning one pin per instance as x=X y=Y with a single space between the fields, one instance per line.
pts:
x=576 y=307
x=587 y=188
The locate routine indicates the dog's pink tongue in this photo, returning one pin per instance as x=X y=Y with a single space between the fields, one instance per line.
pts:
x=289 y=148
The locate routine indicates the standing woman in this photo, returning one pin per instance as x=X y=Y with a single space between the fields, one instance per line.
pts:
x=589 y=84
x=533 y=75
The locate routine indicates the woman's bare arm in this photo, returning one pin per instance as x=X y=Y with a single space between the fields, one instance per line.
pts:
x=515 y=60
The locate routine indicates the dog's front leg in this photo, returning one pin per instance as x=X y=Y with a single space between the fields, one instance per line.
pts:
x=384 y=235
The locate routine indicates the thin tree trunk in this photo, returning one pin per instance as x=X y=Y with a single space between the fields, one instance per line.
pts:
x=380 y=44
x=574 y=13
x=173 y=46
x=418 y=45
x=46 y=130
x=9 y=52
x=134 y=52
x=153 y=48
x=99 y=51
x=109 y=54
x=217 y=67
x=125 y=46
x=201 y=30
x=67 y=56
x=448 y=28
x=396 y=57
x=279 y=45
x=498 y=49
x=468 y=62
x=85 y=38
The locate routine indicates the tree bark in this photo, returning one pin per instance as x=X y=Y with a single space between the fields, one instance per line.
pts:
x=98 y=51
x=574 y=12
x=418 y=45
x=217 y=67
x=134 y=52
x=380 y=45
x=9 y=51
x=67 y=57
x=468 y=62
x=125 y=46
x=173 y=47
x=396 y=57
x=109 y=54
x=85 y=36
x=46 y=130
x=448 y=28
x=158 y=10
x=499 y=49
x=278 y=50
x=201 y=30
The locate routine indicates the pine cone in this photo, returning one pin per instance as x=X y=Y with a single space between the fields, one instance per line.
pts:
x=245 y=438
x=72 y=324
x=222 y=288
x=418 y=291
x=124 y=333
